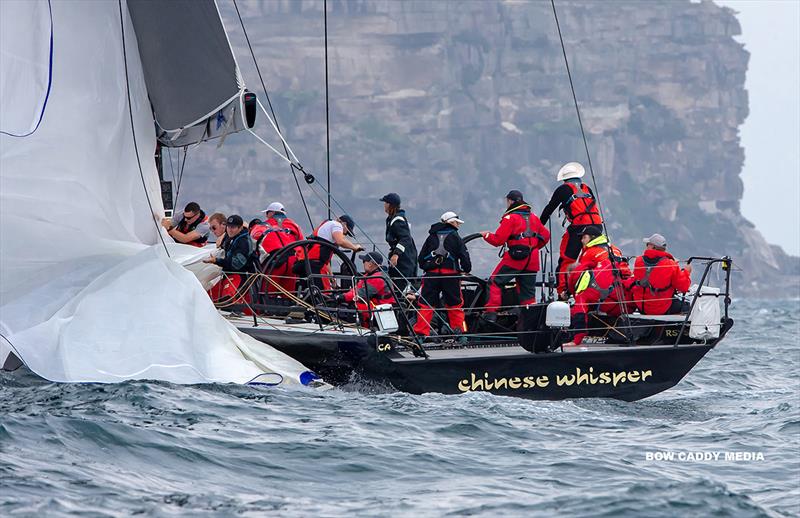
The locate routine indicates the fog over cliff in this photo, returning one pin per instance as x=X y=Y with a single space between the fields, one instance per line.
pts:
x=451 y=104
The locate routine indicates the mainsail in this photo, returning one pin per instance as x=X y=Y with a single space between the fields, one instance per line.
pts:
x=88 y=291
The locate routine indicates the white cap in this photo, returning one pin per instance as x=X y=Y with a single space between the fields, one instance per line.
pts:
x=657 y=240
x=275 y=206
x=450 y=217
x=571 y=170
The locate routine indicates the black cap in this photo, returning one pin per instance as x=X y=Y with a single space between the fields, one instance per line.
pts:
x=235 y=221
x=592 y=230
x=375 y=257
x=254 y=222
x=514 y=195
x=392 y=199
x=347 y=220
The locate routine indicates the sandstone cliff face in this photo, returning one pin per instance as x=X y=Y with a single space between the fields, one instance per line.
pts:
x=452 y=104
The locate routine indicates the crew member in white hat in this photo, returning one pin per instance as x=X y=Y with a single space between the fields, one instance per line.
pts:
x=580 y=208
x=279 y=231
x=443 y=258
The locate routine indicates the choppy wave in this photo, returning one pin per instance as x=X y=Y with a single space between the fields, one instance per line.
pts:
x=156 y=448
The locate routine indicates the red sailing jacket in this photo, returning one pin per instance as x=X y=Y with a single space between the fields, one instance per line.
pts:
x=373 y=288
x=657 y=276
x=516 y=221
x=279 y=232
x=581 y=208
x=593 y=255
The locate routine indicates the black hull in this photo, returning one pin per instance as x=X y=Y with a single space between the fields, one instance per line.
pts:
x=625 y=373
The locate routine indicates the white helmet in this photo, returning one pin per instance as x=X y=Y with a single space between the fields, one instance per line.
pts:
x=571 y=170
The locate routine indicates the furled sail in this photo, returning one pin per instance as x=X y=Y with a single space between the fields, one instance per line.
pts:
x=191 y=74
x=87 y=290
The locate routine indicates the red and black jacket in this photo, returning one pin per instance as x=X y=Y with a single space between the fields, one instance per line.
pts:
x=444 y=251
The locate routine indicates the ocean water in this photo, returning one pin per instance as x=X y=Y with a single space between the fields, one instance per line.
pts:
x=219 y=450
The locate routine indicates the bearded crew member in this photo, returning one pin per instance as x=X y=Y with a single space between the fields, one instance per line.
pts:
x=330 y=232
x=191 y=228
x=373 y=290
x=600 y=280
x=273 y=234
x=444 y=257
x=235 y=262
x=523 y=234
x=580 y=208
x=657 y=277
x=402 y=249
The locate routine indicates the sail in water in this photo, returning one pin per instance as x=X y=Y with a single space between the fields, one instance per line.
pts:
x=90 y=290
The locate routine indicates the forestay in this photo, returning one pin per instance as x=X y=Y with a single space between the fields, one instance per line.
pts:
x=87 y=291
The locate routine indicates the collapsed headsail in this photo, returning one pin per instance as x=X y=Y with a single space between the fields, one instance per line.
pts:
x=87 y=292
x=191 y=74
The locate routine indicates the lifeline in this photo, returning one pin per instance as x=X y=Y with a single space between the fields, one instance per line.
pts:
x=474 y=383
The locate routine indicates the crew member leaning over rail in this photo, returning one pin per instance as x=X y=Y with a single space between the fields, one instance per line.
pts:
x=658 y=277
x=373 y=290
x=523 y=234
x=190 y=228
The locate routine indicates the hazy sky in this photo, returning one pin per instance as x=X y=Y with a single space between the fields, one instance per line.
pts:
x=771 y=133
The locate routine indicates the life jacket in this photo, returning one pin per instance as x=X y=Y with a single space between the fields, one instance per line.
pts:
x=319 y=253
x=581 y=207
x=521 y=246
x=440 y=257
x=589 y=279
x=185 y=228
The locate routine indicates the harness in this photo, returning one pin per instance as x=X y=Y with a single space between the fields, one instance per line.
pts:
x=185 y=228
x=528 y=233
x=644 y=282
x=588 y=280
x=441 y=254
x=581 y=192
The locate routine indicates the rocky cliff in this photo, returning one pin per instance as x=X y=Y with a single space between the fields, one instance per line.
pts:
x=451 y=104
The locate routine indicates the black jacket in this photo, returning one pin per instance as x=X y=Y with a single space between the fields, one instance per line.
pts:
x=457 y=253
x=401 y=244
x=237 y=254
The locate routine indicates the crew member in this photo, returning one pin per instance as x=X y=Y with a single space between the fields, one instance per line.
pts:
x=236 y=261
x=373 y=290
x=279 y=231
x=402 y=250
x=333 y=231
x=657 y=277
x=191 y=228
x=580 y=208
x=600 y=280
x=444 y=257
x=216 y=224
x=523 y=234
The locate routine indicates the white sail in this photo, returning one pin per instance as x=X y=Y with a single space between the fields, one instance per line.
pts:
x=87 y=291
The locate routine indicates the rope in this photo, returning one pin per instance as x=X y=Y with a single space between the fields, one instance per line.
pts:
x=327 y=109
x=133 y=130
x=585 y=142
x=274 y=118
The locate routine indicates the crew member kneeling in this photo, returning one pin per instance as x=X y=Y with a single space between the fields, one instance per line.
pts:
x=657 y=277
x=523 y=234
x=373 y=290
x=443 y=257
x=237 y=260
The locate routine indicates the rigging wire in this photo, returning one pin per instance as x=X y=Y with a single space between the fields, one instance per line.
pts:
x=616 y=284
x=180 y=177
x=292 y=166
x=327 y=108
x=133 y=130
